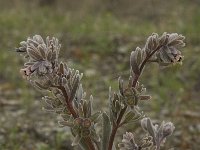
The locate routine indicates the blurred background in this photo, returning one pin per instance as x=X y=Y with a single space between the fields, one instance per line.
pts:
x=97 y=38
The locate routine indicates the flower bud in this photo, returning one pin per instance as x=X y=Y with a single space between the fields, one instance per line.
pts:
x=168 y=129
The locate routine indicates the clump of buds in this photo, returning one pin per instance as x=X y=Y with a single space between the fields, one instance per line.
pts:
x=158 y=134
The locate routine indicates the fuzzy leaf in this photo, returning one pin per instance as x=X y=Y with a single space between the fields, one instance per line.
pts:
x=89 y=106
x=129 y=116
x=95 y=116
x=74 y=87
x=32 y=52
x=121 y=86
x=49 y=55
x=79 y=94
x=42 y=51
x=40 y=86
x=150 y=128
x=106 y=126
x=133 y=62
x=61 y=68
x=85 y=108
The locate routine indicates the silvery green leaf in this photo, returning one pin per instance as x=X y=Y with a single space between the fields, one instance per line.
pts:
x=135 y=119
x=129 y=116
x=48 y=41
x=130 y=81
x=67 y=89
x=174 y=37
x=95 y=116
x=32 y=42
x=177 y=43
x=61 y=98
x=35 y=66
x=150 y=129
x=54 y=55
x=74 y=87
x=139 y=57
x=48 y=108
x=29 y=63
x=76 y=140
x=56 y=103
x=160 y=132
x=61 y=68
x=79 y=94
x=34 y=54
x=80 y=110
x=106 y=127
x=49 y=102
x=133 y=61
x=121 y=86
x=40 y=86
x=151 y=43
x=85 y=108
x=163 y=40
x=56 y=79
x=38 y=39
x=64 y=81
x=164 y=56
x=144 y=124
x=155 y=41
x=89 y=106
x=117 y=105
x=49 y=55
x=114 y=114
x=23 y=43
x=42 y=51
x=42 y=69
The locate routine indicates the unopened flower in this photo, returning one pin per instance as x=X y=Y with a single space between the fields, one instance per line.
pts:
x=158 y=133
x=128 y=142
x=169 y=55
x=42 y=56
x=168 y=129
x=169 y=52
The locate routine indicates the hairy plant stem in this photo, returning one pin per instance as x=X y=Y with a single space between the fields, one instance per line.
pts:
x=69 y=106
x=136 y=77
x=115 y=127
x=135 y=80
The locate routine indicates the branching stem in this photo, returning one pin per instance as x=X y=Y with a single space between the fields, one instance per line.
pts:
x=135 y=80
x=69 y=106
